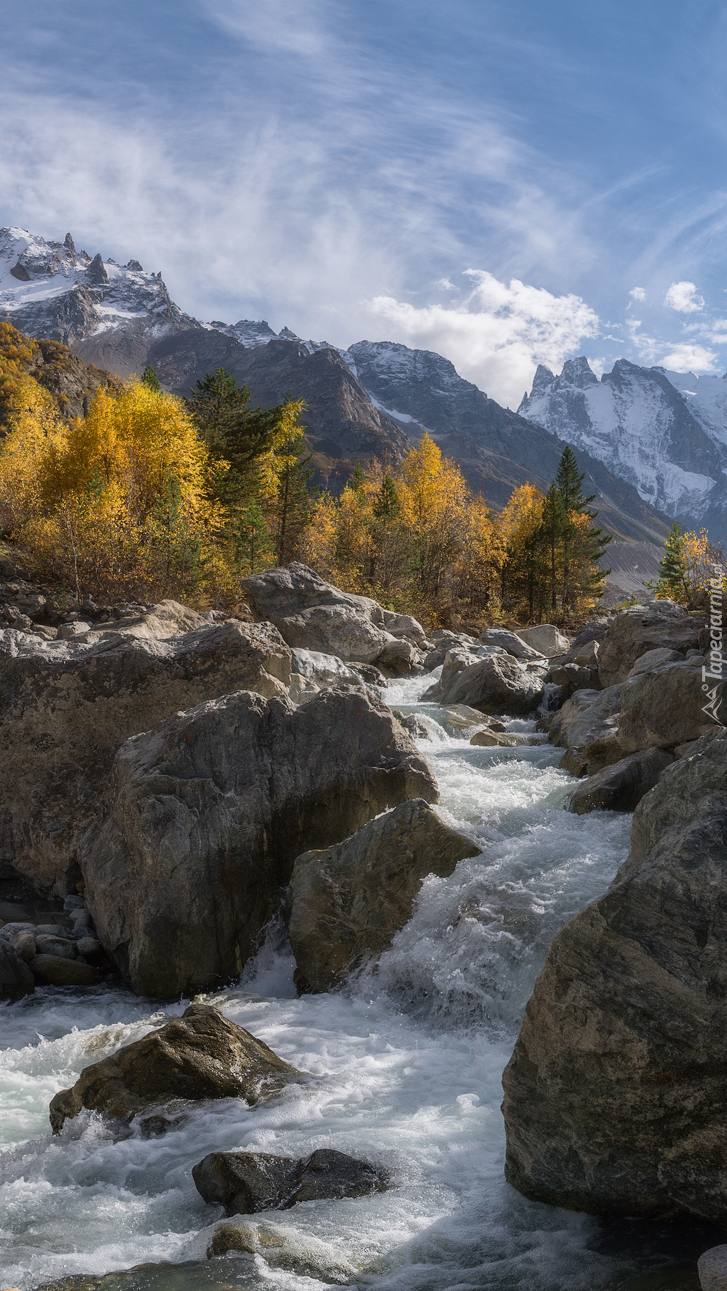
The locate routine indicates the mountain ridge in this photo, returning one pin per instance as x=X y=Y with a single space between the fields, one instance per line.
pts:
x=373 y=400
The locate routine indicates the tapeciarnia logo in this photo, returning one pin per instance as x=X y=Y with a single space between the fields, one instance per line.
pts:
x=714 y=670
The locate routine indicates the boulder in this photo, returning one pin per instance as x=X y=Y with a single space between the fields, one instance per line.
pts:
x=66 y=708
x=207 y=813
x=312 y=671
x=282 y=1248
x=314 y=615
x=16 y=978
x=712 y=1269
x=586 y=656
x=457 y=658
x=594 y=630
x=443 y=642
x=616 y=1093
x=403 y=625
x=398 y=657
x=496 y=684
x=620 y=787
x=654 y=659
x=202 y=1055
x=53 y=970
x=588 y=722
x=545 y=638
x=642 y=628
x=348 y=901
x=666 y=706
x=248 y=1182
x=496 y=739
x=511 y=643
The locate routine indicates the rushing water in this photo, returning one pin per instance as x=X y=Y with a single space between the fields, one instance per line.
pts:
x=404 y=1067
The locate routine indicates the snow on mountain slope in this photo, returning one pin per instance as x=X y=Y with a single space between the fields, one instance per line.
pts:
x=50 y=289
x=706 y=398
x=644 y=428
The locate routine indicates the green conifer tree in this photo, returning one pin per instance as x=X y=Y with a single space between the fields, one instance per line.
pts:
x=149 y=378
x=672 y=580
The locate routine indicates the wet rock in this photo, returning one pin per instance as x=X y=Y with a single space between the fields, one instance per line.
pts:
x=511 y=643
x=208 y=812
x=494 y=685
x=616 y=1093
x=495 y=739
x=281 y=1248
x=460 y=717
x=314 y=615
x=712 y=1269
x=16 y=978
x=202 y=1055
x=545 y=638
x=586 y=656
x=89 y=947
x=642 y=628
x=349 y=901
x=66 y=709
x=248 y=1182
x=52 y=970
x=620 y=787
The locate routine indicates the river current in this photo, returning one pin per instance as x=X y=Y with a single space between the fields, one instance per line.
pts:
x=405 y=1068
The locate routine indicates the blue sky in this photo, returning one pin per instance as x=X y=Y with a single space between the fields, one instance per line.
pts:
x=505 y=181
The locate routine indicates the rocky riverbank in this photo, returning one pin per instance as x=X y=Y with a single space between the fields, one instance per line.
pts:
x=174 y=783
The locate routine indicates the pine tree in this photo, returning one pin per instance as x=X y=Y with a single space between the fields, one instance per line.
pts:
x=234 y=432
x=584 y=543
x=150 y=379
x=554 y=535
x=673 y=568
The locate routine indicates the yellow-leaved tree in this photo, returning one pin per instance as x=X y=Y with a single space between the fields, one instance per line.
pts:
x=115 y=503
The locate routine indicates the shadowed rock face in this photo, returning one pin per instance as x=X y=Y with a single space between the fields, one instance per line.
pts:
x=198 y=1056
x=616 y=1092
x=207 y=813
x=248 y=1182
x=65 y=708
x=622 y=786
x=350 y=900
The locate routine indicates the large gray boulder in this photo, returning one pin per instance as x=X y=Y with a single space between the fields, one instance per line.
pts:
x=588 y=722
x=312 y=671
x=66 y=707
x=496 y=684
x=545 y=638
x=314 y=615
x=666 y=706
x=202 y=1055
x=616 y=1093
x=511 y=643
x=348 y=901
x=642 y=628
x=620 y=787
x=208 y=811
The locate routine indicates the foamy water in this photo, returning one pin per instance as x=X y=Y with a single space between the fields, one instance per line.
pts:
x=404 y=1070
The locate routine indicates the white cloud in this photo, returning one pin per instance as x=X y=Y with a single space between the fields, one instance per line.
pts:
x=689 y=358
x=637 y=293
x=498 y=335
x=684 y=298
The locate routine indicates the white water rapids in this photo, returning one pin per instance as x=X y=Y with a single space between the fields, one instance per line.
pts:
x=405 y=1071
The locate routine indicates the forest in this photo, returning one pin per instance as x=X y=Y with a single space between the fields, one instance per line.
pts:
x=149 y=495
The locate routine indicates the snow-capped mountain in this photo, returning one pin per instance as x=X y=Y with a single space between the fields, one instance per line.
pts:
x=51 y=289
x=664 y=432
x=372 y=400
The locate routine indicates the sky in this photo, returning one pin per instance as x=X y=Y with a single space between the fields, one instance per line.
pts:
x=506 y=182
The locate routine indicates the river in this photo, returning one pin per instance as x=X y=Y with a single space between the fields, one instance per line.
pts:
x=405 y=1070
